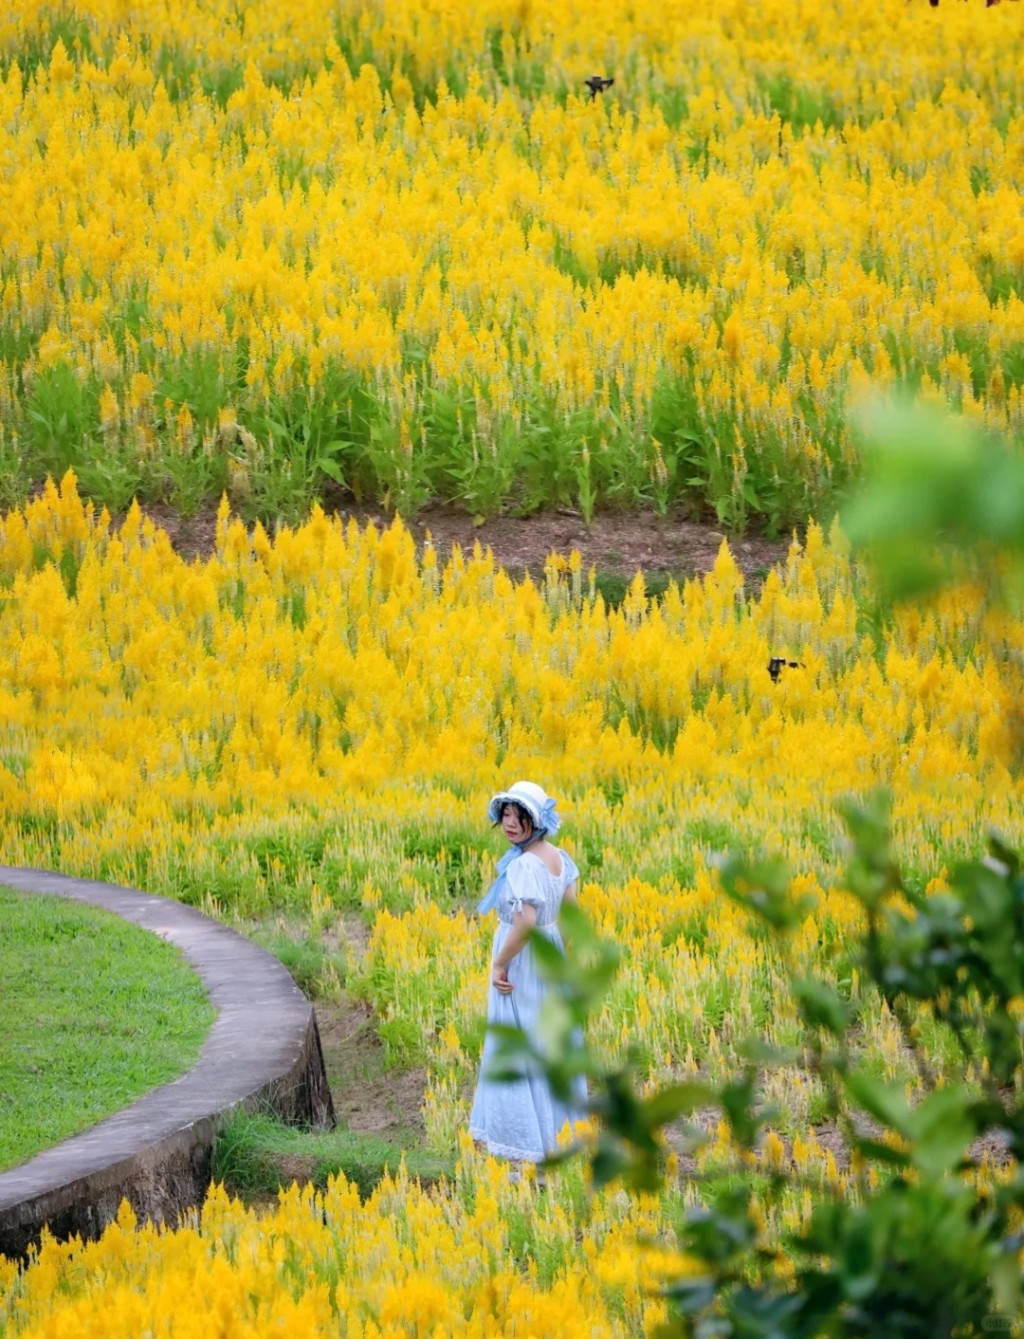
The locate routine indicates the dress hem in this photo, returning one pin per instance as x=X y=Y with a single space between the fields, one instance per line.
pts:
x=506 y=1150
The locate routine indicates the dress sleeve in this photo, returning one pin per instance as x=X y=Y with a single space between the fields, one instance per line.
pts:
x=525 y=884
x=571 y=873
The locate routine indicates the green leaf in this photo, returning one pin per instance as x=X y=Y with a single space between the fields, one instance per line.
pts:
x=941 y=1127
x=331 y=468
x=821 y=1006
x=858 y=1262
x=676 y=1100
x=1003 y=853
x=929 y=478
x=760 y=1052
x=554 y=1026
x=882 y=1100
x=550 y=958
x=737 y=1100
x=505 y=1033
x=607 y=1162
x=879 y=1152
x=499 y=1071
x=868 y=825
x=763 y=887
x=690 y=1296
x=576 y=926
x=1006 y=1285
x=871 y=873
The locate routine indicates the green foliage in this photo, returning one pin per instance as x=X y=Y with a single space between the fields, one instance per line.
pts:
x=938 y=493
x=763 y=887
x=403 y=1041
x=309 y=443
x=318 y=971
x=35 y=49
x=254 y=1154
x=60 y=413
x=925 y=1253
x=802 y=107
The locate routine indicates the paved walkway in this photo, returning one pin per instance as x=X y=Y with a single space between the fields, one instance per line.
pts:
x=263 y=1050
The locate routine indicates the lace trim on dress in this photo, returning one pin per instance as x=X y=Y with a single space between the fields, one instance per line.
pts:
x=506 y=1150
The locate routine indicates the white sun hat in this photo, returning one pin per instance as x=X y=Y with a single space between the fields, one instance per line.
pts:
x=537 y=803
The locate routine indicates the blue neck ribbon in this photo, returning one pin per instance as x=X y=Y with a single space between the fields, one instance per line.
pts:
x=490 y=899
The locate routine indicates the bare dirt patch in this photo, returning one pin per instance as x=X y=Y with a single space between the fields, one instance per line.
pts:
x=619 y=544
x=368 y=1097
x=192 y=536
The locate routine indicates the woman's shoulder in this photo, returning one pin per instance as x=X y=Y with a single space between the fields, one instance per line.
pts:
x=564 y=870
x=528 y=879
x=570 y=870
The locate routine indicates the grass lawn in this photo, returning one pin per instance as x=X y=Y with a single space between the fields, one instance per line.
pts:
x=95 y=1013
x=255 y=1155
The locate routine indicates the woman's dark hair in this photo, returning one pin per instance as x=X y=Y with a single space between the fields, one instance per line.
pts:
x=525 y=817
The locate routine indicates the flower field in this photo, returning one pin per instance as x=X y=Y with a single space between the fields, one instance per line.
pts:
x=314 y=724
x=400 y=250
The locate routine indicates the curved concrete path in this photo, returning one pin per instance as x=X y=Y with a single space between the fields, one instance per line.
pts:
x=263 y=1051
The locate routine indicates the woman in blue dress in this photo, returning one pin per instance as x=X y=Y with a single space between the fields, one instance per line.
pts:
x=521 y=1119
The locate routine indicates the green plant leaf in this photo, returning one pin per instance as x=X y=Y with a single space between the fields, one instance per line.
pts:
x=859 y=1260
x=678 y=1099
x=554 y=1025
x=763 y=1053
x=879 y=1099
x=941 y=1127
x=880 y=1152
x=762 y=887
x=326 y=465
x=821 y=1006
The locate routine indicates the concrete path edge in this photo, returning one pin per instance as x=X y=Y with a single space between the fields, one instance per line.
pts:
x=262 y=1053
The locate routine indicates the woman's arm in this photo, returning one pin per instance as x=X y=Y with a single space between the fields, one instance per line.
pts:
x=522 y=923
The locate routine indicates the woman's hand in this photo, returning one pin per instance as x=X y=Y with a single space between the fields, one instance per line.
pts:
x=522 y=923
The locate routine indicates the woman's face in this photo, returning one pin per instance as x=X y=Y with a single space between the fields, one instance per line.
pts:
x=512 y=825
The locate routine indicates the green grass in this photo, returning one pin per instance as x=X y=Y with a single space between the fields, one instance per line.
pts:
x=256 y=1155
x=318 y=971
x=95 y=1013
x=614 y=588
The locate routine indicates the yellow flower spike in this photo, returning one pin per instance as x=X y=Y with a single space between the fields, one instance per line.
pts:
x=773 y=1152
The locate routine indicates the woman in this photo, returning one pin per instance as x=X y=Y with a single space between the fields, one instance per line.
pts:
x=521 y=1119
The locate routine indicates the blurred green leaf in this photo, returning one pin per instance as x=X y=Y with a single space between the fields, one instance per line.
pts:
x=760 y=1052
x=762 y=886
x=877 y=1151
x=679 y=1099
x=871 y=872
x=859 y=1261
x=820 y=1006
x=941 y=1128
x=934 y=488
x=554 y=1026
x=879 y=1099
x=738 y=1102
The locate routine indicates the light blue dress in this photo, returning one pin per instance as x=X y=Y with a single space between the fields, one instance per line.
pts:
x=521 y=1119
